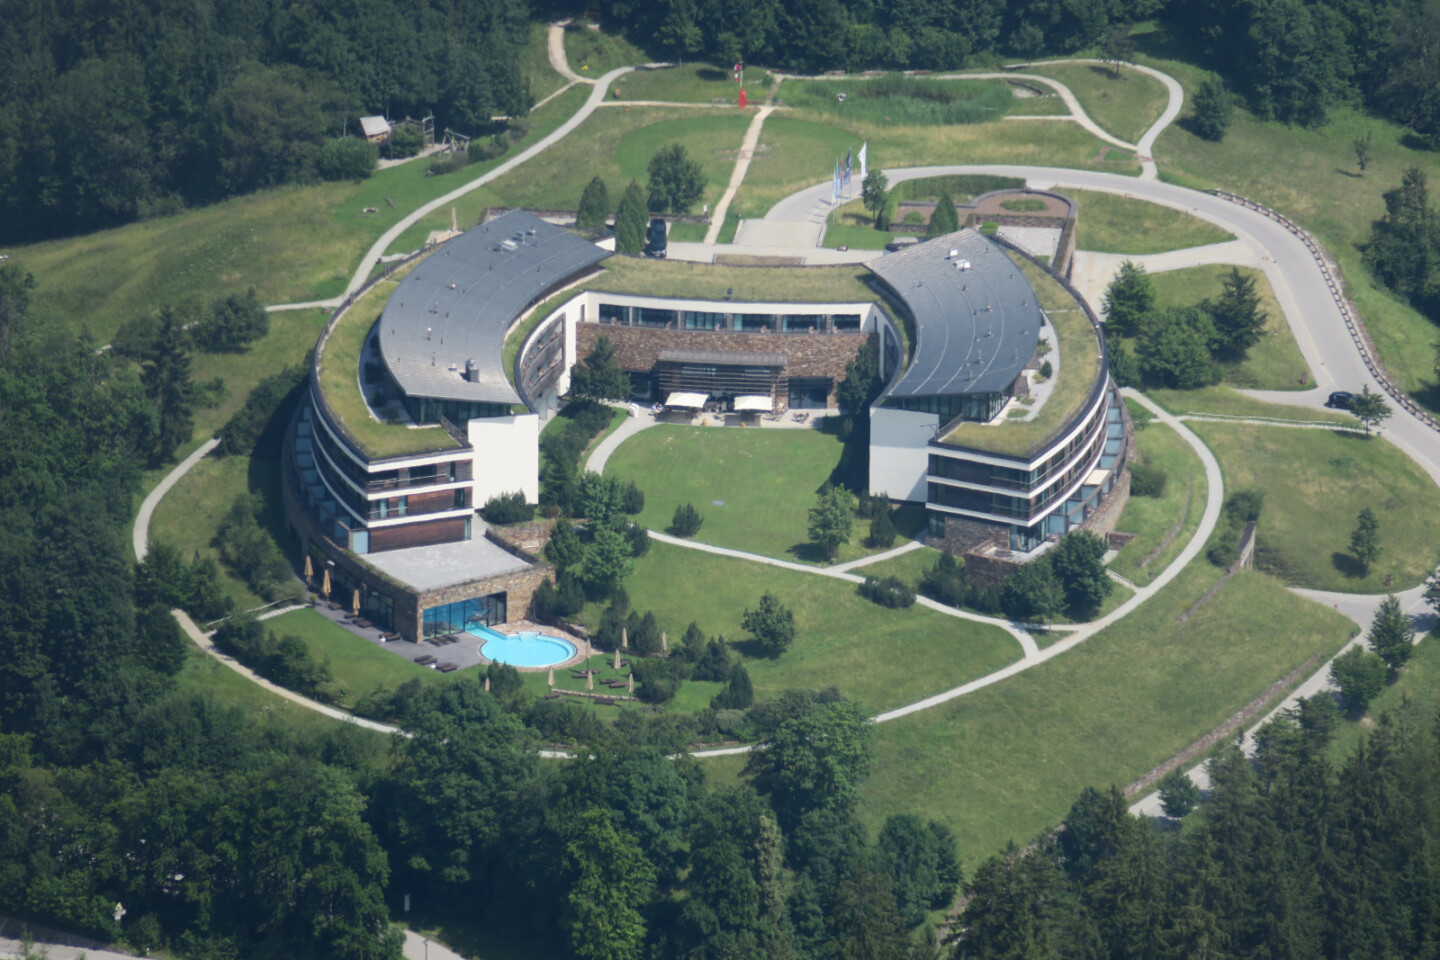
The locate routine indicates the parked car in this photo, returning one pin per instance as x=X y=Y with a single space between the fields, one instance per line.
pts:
x=655 y=240
x=1342 y=399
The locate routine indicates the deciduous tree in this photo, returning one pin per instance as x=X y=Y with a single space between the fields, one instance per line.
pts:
x=1360 y=675
x=771 y=624
x=676 y=181
x=875 y=193
x=613 y=880
x=1213 y=108
x=1370 y=408
x=1079 y=564
x=832 y=520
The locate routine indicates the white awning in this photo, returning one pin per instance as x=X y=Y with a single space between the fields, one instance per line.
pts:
x=764 y=404
x=374 y=126
x=1096 y=478
x=688 y=401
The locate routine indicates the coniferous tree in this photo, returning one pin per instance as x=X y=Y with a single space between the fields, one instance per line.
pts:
x=1365 y=538
x=1129 y=300
x=1239 y=321
x=1213 y=109
x=630 y=220
x=1391 y=635
x=594 y=206
x=167 y=382
x=945 y=219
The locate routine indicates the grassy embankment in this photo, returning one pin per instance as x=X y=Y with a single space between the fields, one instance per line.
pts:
x=1315 y=483
x=1124 y=102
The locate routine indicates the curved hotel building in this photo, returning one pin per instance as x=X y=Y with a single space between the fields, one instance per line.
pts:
x=415 y=417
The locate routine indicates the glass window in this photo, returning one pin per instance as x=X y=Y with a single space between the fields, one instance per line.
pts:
x=613 y=313
x=755 y=322
x=698 y=320
x=655 y=317
x=849 y=322
x=801 y=322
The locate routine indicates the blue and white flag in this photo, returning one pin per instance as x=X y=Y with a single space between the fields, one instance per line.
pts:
x=835 y=183
x=847 y=168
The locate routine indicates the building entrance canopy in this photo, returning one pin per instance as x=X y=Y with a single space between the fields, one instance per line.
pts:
x=686 y=401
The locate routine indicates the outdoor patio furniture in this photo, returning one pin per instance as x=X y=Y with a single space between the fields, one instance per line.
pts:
x=425 y=659
x=608 y=701
x=448 y=667
x=362 y=622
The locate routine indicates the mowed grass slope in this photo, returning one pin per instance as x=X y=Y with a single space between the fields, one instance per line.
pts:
x=1007 y=761
x=1315 y=484
x=882 y=658
x=358 y=666
x=1275 y=363
x=767 y=479
x=1125 y=105
x=1152 y=519
x=1110 y=224
x=291 y=244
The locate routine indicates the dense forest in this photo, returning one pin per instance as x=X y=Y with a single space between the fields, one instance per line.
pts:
x=112 y=111
x=1291 y=855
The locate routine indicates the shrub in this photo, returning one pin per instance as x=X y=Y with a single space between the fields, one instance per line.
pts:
x=346 y=158
x=738 y=693
x=233 y=322
x=1178 y=794
x=687 y=521
x=882 y=530
x=406 y=141
x=505 y=680
x=1360 y=675
x=889 y=592
x=508 y=508
x=1223 y=551
x=1147 y=480
x=632 y=498
x=285 y=661
x=251 y=551
x=639 y=539
x=444 y=163
x=1032 y=592
x=1244 y=506
x=644 y=633
x=269 y=403
x=712 y=663
x=657 y=681
x=1047 y=370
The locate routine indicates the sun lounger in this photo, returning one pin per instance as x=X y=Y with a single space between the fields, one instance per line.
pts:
x=608 y=701
x=448 y=667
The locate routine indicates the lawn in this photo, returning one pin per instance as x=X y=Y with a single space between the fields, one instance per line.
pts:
x=359 y=666
x=1223 y=401
x=591 y=53
x=291 y=244
x=189 y=516
x=1275 y=362
x=894 y=99
x=882 y=658
x=909 y=567
x=1152 y=519
x=616 y=144
x=1125 y=106
x=678 y=278
x=536 y=68
x=1110 y=224
x=1007 y=761
x=1315 y=483
x=801 y=150
x=340 y=382
x=692 y=83
x=1078 y=367
x=767 y=480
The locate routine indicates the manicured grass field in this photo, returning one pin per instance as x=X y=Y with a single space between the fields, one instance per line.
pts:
x=902 y=100
x=1152 y=518
x=1079 y=365
x=909 y=567
x=767 y=479
x=1111 y=224
x=1223 y=401
x=1275 y=363
x=1006 y=762
x=1315 y=483
x=671 y=278
x=359 y=666
x=1125 y=106
x=882 y=658
x=692 y=83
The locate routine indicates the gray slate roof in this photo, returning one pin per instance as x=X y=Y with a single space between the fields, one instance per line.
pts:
x=459 y=302
x=975 y=328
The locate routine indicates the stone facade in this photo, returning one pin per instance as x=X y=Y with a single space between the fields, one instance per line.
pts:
x=1102 y=521
x=519 y=587
x=809 y=354
x=963 y=535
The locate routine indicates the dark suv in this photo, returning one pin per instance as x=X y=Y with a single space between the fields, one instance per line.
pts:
x=655 y=240
x=1342 y=399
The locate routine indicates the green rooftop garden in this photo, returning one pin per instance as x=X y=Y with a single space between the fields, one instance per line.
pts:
x=1074 y=375
x=339 y=380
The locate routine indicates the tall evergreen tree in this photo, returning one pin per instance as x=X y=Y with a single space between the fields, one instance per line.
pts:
x=945 y=219
x=1129 y=300
x=594 y=206
x=167 y=382
x=1391 y=635
x=630 y=220
x=1239 y=321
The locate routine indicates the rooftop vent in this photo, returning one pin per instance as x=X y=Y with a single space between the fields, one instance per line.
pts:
x=472 y=371
x=508 y=245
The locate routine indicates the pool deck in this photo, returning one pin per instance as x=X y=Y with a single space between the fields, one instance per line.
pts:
x=464 y=652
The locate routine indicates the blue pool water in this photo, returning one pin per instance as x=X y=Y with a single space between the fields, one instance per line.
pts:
x=523 y=649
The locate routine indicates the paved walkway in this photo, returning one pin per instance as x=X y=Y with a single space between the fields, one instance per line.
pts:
x=558 y=60
x=737 y=176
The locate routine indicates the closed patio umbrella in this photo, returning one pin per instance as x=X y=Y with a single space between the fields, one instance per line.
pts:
x=616 y=663
x=624 y=638
x=589 y=680
x=309 y=569
x=355 y=604
x=550 y=680
x=487 y=683
x=630 y=684
x=664 y=643
x=325 y=587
